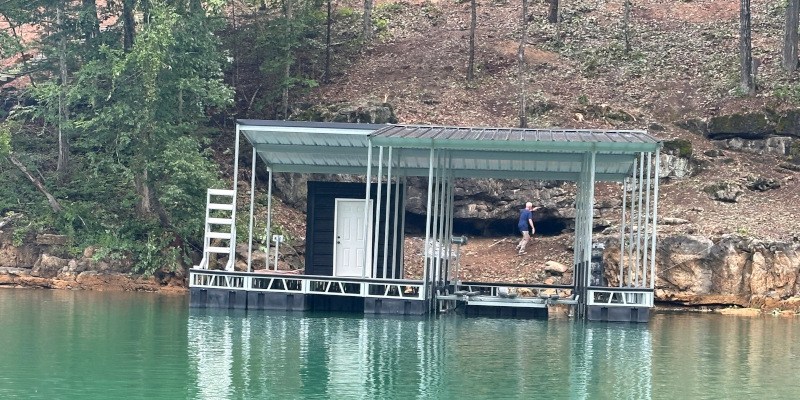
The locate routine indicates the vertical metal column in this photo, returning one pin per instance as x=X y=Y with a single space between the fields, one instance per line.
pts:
x=426 y=263
x=646 y=220
x=622 y=233
x=630 y=239
x=232 y=254
x=388 y=208
x=252 y=200
x=639 y=219
x=367 y=249
x=587 y=250
x=269 y=216
x=451 y=211
x=397 y=200
x=376 y=226
x=435 y=231
x=655 y=221
x=402 y=254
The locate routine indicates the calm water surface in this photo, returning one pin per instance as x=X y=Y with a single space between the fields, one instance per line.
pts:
x=94 y=345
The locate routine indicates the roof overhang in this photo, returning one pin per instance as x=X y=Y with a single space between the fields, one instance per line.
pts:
x=541 y=154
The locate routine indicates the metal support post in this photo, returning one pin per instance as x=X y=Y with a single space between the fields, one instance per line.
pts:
x=639 y=217
x=388 y=208
x=426 y=263
x=622 y=233
x=269 y=214
x=655 y=221
x=376 y=226
x=397 y=200
x=631 y=277
x=252 y=201
x=367 y=249
x=646 y=220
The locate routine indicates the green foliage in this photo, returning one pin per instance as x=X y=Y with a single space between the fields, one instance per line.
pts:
x=682 y=147
x=137 y=122
x=5 y=140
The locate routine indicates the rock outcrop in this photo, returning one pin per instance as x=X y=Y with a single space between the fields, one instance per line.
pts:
x=731 y=270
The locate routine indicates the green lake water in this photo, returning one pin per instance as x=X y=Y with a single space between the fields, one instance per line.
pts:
x=95 y=345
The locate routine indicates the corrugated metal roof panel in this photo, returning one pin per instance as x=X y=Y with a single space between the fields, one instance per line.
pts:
x=474 y=152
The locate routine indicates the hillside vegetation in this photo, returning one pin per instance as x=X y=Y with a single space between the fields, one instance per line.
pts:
x=149 y=123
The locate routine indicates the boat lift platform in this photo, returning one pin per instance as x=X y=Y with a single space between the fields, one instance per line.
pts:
x=355 y=234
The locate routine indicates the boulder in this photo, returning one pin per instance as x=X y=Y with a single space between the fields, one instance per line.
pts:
x=732 y=270
x=672 y=166
x=724 y=191
x=751 y=126
x=778 y=146
x=761 y=184
x=555 y=268
x=53 y=240
x=674 y=221
x=48 y=266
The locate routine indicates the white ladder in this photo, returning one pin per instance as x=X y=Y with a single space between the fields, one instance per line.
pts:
x=227 y=205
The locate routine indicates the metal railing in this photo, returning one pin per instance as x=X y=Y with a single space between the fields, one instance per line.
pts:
x=308 y=284
x=620 y=297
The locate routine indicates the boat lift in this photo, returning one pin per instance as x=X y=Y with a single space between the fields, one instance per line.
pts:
x=386 y=155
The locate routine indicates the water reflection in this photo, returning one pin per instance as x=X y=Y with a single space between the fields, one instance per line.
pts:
x=346 y=356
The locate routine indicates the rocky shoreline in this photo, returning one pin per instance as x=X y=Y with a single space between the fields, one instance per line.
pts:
x=88 y=280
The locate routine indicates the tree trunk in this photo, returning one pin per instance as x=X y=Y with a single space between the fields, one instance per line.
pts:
x=327 y=78
x=367 y=20
x=790 y=37
x=50 y=199
x=471 y=64
x=195 y=6
x=62 y=167
x=128 y=25
x=626 y=27
x=747 y=83
x=552 y=15
x=523 y=115
x=90 y=24
x=285 y=97
x=143 y=209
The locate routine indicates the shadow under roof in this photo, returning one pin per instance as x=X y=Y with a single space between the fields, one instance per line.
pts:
x=504 y=153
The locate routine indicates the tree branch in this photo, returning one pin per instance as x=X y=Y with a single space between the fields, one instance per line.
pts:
x=53 y=202
x=5 y=221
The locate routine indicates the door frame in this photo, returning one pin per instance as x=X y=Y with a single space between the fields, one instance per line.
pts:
x=337 y=200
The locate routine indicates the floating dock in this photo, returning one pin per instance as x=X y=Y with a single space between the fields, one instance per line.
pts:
x=354 y=259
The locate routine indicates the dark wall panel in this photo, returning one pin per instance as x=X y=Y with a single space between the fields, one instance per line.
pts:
x=319 y=227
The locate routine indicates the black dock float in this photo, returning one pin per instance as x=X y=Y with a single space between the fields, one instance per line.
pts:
x=374 y=305
x=505 y=312
x=618 y=314
x=218 y=298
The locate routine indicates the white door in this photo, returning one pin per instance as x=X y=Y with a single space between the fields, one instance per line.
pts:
x=348 y=236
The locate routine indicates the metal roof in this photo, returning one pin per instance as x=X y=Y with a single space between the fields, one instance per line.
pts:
x=544 y=154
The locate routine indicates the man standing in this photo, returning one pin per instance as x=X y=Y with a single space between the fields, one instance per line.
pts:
x=525 y=223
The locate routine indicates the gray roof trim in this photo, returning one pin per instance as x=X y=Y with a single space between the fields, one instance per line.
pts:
x=307 y=124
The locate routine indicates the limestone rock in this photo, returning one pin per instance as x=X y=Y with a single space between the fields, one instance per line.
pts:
x=673 y=221
x=555 y=268
x=48 y=266
x=725 y=191
x=53 y=240
x=778 y=146
x=672 y=166
x=761 y=184
x=734 y=270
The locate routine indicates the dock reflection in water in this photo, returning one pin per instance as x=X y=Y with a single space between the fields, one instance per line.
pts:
x=238 y=355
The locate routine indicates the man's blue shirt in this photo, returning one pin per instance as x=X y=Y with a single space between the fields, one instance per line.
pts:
x=524 y=216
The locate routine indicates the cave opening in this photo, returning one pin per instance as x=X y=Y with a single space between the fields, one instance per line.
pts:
x=415 y=224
